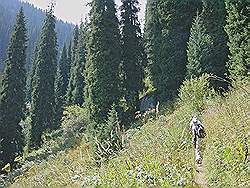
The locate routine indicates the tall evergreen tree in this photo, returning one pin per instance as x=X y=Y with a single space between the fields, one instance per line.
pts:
x=214 y=15
x=168 y=66
x=153 y=42
x=61 y=84
x=31 y=75
x=103 y=61
x=237 y=28
x=69 y=55
x=59 y=98
x=132 y=53
x=43 y=96
x=64 y=66
x=199 y=49
x=80 y=60
x=75 y=42
x=71 y=85
x=12 y=95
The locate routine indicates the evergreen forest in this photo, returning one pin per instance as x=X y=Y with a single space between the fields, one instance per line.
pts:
x=108 y=102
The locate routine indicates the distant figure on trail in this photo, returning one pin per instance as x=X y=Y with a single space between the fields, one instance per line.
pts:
x=198 y=132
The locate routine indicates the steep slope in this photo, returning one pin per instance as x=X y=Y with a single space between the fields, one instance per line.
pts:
x=160 y=154
x=226 y=155
x=34 y=20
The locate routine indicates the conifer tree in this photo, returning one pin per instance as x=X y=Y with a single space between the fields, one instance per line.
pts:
x=71 y=86
x=43 y=95
x=69 y=55
x=103 y=61
x=237 y=28
x=12 y=94
x=172 y=22
x=31 y=75
x=214 y=15
x=75 y=42
x=61 y=85
x=153 y=43
x=80 y=60
x=132 y=53
x=64 y=66
x=199 y=49
x=59 y=97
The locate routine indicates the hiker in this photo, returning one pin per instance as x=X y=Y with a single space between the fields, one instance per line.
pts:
x=198 y=132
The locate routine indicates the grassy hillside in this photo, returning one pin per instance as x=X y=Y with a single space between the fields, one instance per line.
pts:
x=226 y=156
x=160 y=153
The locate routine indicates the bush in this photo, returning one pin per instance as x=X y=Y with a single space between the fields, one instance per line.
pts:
x=72 y=132
x=195 y=92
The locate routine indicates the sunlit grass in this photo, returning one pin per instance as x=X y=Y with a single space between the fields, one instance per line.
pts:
x=160 y=154
x=228 y=125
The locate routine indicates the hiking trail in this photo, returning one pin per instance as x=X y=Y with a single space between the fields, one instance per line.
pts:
x=200 y=178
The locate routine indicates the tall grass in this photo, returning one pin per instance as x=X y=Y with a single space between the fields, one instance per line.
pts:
x=160 y=153
x=228 y=124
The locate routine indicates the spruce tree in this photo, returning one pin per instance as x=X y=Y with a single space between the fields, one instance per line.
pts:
x=237 y=28
x=64 y=66
x=153 y=42
x=132 y=54
x=43 y=96
x=214 y=15
x=75 y=42
x=168 y=65
x=80 y=60
x=103 y=61
x=69 y=55
x=12 y=94
x=71 y=86
x=61 y=85
x=59 y=98
x=199 y=49
x=31 y=75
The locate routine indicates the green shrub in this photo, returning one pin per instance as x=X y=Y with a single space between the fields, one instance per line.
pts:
x=195 y=92
x=72 y=132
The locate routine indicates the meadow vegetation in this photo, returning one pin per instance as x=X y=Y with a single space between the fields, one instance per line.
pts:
x=159 y=153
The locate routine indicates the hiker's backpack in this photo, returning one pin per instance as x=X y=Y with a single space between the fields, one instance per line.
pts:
x=200 y=131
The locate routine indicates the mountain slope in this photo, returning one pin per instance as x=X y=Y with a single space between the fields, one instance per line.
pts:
x=159 y=154
x=34 y=21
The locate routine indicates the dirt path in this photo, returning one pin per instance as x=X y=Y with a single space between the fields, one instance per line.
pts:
x=200 y=178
